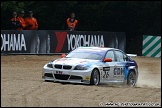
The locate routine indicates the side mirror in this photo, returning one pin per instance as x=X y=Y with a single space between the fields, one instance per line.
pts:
x=107 y=60
x=63 y=55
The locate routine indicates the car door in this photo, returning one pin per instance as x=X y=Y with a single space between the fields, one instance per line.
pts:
x=119 y=67
x=108 y=68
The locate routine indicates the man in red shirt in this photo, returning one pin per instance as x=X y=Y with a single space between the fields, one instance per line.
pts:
x=31 y=22
x=72 y=22
x=21 y=20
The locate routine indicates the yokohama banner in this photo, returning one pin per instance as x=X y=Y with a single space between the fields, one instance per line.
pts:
x=51 y=41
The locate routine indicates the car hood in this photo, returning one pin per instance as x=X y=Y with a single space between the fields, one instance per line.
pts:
x=74 y=61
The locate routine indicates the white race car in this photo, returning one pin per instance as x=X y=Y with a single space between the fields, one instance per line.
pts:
x=92 y=65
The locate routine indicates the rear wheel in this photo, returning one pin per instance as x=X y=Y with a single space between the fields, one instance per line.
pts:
x=95 y=78
x=131 y=80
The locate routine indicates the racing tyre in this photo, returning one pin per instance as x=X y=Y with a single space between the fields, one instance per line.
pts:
x=131 y=80
x=95 y=78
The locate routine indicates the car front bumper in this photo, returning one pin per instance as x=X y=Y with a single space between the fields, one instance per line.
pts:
x=61 y=75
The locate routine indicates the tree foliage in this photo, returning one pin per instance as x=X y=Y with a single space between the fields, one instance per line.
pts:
x=141 y=17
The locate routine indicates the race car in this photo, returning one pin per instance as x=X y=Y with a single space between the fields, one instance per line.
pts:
x=92 y=65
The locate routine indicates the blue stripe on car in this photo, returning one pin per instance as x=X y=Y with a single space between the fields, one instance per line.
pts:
x=125 y=72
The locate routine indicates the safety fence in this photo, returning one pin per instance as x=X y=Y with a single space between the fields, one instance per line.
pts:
x=54 y=42
x=151 y=46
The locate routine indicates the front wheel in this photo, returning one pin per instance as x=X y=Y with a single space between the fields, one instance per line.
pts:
x=131 y=80
x=95 y=78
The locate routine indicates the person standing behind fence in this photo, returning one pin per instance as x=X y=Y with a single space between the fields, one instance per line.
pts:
x=72 y=22
x=15 y=24
x=31 y=22
x=21 y=20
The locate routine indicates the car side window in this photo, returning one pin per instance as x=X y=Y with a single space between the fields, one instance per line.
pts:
x=110 y=54
x=125 y=57
x=120 y=56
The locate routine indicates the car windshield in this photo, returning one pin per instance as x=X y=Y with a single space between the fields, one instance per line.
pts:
x=84 y=55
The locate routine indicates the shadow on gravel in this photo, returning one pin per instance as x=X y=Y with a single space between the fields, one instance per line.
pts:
x=116 y=85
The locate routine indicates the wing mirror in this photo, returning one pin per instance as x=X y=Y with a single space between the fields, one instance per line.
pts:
x=63 y=55
x=107 y=60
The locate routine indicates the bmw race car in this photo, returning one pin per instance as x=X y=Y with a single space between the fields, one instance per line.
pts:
x=92 y=65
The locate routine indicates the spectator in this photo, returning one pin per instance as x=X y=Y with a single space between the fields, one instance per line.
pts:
x=21 y=20
x=31 y=22
x=72 y=22
x=15 y=24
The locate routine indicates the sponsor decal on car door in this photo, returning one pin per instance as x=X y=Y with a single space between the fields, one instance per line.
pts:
x=118 y=72
x=107 y=73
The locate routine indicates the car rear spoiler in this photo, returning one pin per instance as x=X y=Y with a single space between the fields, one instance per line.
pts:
x=132 y=55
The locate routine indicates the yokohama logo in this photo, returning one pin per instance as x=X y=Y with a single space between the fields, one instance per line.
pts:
x=13 y=42
x=77 y=40
x=61 y=36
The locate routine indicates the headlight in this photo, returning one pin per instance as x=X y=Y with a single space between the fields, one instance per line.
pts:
x=49 y=65
x=81 y=67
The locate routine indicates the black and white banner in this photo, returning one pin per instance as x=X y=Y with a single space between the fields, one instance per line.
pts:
x=51 y=41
